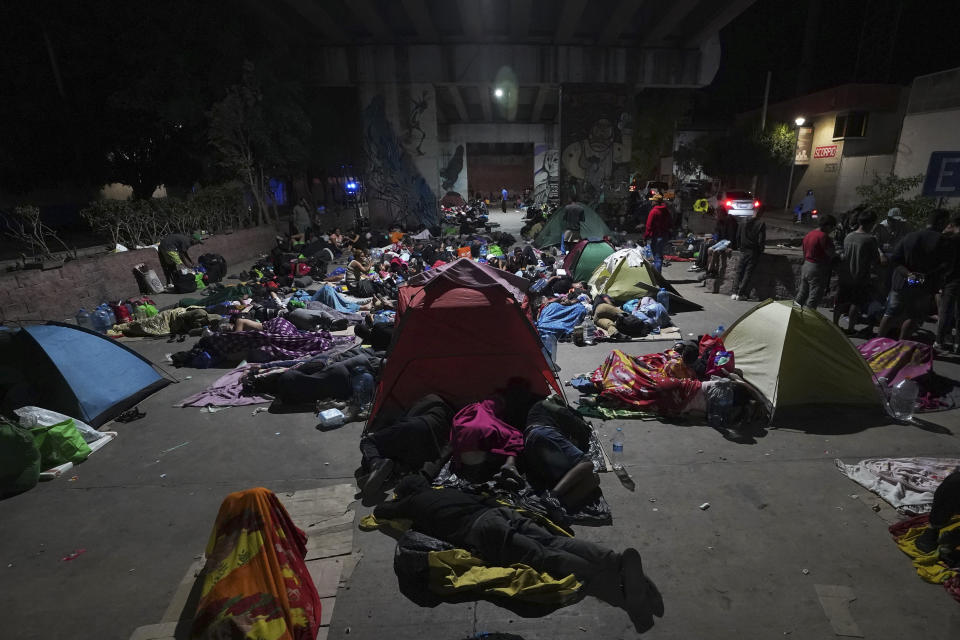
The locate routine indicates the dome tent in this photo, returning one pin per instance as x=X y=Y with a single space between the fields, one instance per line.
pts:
x=585 y=257
x=799 y=360
x=592 y=227
x=626 y=274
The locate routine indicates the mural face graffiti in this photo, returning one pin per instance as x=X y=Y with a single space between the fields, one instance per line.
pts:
x=453 y=177
x=596 y=137
x=546 y=175
x=393 y=177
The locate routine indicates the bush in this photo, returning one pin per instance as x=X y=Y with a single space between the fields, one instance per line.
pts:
x=135 y=223
x=889 y=191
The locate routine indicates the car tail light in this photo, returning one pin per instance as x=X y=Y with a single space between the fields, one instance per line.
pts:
x=756 y=204
x=728 y=203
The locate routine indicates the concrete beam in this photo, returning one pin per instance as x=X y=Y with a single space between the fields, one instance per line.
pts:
x=471 y=19
x=420 y=17
x=542 y=92
x=569 y=20
x=370 y=17
x=499 y=132
x=520 y=18
x=661 y=30
x=618 y=21
x=457 y=99
x=484 y=91
x=731 y=10
x=315 y=15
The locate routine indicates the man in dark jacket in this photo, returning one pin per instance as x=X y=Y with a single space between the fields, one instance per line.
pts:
x=502 y=537
x=919 y=262
x=658 y=229
x=753 y=237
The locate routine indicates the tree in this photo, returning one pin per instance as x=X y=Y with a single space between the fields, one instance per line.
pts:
x=887 y=191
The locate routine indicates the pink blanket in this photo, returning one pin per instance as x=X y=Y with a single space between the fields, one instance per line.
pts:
x=897 y=360
x=476 y=427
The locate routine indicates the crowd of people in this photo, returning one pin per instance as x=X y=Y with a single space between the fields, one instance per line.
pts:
x=889 y=277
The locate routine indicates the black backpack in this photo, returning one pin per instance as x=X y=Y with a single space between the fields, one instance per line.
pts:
x=632 y=326
x=215 y=265
x=185 y=283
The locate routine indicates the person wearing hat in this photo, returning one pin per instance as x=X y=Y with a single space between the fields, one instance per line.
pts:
x=173 y=254
x=658 y=229
x=891 y=230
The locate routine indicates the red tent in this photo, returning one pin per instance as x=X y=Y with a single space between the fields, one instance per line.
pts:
x=462 y=332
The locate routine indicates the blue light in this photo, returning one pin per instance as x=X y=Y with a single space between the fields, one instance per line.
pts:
x=351 y=186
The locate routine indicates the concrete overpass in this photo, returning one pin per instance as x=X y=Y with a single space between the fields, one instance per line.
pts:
x=436 y=75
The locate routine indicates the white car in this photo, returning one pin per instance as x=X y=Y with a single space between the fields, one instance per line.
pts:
x=739 y=204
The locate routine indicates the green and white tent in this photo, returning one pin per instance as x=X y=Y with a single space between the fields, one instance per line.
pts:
x=798 y=359
x=592 y=228
x=626 y=274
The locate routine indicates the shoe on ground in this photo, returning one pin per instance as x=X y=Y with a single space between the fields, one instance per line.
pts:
x=734 y=296
x=381 y=471
x=928 y=541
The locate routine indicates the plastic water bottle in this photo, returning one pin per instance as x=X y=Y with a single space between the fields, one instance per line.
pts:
x=718 y=331
x=616 y=449
x=100 y=320
x=362 y=383
x=83 y=319
x=111 y=316
x=903 y=399
x=719 y=409
x=616 y=459
x=589 y=330
x=663 y=297
x=647 y=252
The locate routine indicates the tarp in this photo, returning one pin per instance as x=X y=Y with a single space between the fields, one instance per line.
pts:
x=798 y=358
x=626 y=274
x=585 y=257
x=592 y=227
x=78 y=372
x=461 y=333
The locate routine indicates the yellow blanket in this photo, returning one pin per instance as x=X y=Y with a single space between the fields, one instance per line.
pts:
x=928 y=565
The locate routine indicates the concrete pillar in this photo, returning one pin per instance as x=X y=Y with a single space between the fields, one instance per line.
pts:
x=402 y=152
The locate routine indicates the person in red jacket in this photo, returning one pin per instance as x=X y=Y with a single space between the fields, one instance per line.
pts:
x=657 y=232
x=819 y=254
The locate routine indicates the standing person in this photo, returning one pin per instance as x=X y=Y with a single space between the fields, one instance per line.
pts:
x=753 y=238
x=948 y=312
x=818 y=254
x=503 y=199
x=658 y=229
x=806 y=207
x=173 y=254
x=573 y=215
x=861 y=258
x=891 y=231
x=919 y=262
x=301 y=222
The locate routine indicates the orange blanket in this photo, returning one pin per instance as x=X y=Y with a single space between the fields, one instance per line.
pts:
x=255 y=582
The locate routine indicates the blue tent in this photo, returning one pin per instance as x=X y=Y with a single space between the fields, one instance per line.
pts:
x=77 y=372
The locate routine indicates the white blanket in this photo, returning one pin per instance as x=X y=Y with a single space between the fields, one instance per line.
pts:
x=906 y=483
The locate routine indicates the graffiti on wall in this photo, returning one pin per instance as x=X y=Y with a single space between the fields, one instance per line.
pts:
x=393 y=177
x=413 y=133
x=546 y=175
x=596 y=134
x=453 y=177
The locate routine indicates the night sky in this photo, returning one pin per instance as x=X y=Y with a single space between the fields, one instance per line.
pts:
x=769 y=37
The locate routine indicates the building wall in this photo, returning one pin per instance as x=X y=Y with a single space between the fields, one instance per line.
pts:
x=452 y=173
x=856 y=171
x=922 y=134
x=546 y=174
x=821 y=174
x=489 y=174
x=35 y=295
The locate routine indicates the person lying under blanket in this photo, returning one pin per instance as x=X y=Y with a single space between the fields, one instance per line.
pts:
x=316 y=380
x=724 y=401
x=501 y=536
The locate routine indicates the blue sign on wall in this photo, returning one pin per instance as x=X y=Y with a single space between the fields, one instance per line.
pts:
x=943 y=175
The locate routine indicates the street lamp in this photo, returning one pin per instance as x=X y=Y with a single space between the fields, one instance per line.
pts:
x=793 y=161
x=498 y=92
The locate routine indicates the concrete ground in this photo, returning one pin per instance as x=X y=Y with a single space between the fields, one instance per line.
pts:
x=782 y=520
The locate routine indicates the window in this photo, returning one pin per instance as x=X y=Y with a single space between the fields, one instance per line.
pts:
x=850 y=125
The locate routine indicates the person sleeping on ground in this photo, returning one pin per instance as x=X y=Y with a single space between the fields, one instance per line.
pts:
x=554 y=458
x=502 y=537
x=417 y=442
x=316 y=380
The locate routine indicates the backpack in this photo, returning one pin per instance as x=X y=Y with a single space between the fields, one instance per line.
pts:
x=185 y=283
x=121 y=312
x=631 y=325
x=215 y=266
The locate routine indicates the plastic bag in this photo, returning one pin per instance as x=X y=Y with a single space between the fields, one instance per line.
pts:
x=60 y=443
x=35 y=416
x=19 y=460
